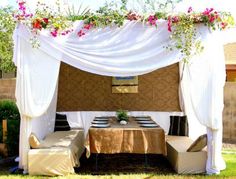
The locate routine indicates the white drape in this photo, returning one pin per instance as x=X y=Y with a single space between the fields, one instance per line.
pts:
x=36 y=95
x=202 y=88
x=133 y=49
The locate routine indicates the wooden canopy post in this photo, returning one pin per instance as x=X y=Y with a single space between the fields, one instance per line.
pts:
x=4 y=130
x=3 y=146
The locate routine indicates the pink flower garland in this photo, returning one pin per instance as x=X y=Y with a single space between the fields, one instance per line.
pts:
x=22 y=9
x=171 y=20
x=209 y=16
x=152 y=19
x=85 y=28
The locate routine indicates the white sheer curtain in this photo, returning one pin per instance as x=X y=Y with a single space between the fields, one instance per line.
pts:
x=133 y=49
x=202 y=89
x=35 y=92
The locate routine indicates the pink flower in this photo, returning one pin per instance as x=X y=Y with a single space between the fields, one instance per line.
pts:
x=80 y=33
x=190 y=9
x=88 y=26
x=152 y=20
x=22 y=6
x=132 y=16
x=207 y=11
x=45 y=20
x=175 y=19
x=169 y=24
x=223 y=25
x=54 y=33
x=211 y=19
x=28 y=15
x=21 y=3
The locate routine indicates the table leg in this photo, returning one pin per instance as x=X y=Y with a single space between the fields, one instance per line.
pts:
x=96 y=161
x=146 y=160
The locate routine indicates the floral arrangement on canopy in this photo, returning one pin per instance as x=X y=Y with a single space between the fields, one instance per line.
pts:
x=181 y=26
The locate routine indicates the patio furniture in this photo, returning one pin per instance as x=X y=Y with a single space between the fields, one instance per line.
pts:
x=129 y=138
x=59 y=152
x=182 y=161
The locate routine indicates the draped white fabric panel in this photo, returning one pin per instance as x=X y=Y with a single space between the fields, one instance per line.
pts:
x=215 y=161
x=202 y=88
x=133 y=49
x=41 y=126
x=35 y=92
x=37 y=74
x=203 y=82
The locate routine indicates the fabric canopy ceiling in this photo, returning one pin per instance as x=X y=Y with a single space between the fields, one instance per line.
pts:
x=133 y=49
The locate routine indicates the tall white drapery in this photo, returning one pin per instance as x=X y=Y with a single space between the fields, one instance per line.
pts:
x=133 y=49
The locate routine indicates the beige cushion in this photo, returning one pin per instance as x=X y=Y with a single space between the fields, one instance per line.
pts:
x=59 y=152
x=181 y=160
x=34 y=141
x=198 y=144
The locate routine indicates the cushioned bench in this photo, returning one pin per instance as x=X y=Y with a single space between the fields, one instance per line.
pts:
x=185 y=162
x=57 y=154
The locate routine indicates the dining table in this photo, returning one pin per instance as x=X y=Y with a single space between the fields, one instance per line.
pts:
x=133 y=137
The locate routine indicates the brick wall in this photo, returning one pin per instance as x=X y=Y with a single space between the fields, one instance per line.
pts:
x=7 y=88
x=7 y=91
x=229 y=114
x=230 y=53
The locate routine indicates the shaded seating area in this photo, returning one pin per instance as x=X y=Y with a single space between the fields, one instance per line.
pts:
x=130 y=51
x=62 y=152
x=57 y=154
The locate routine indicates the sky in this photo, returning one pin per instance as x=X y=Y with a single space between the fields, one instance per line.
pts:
x=94 y=4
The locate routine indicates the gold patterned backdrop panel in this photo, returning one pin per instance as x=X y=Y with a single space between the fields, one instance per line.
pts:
x=83 y=91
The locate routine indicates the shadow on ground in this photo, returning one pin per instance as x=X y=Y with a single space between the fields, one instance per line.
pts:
x=124 y=163
x=111 y=164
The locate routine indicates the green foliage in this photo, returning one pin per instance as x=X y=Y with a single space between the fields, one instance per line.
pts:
x=230 y=159
x=9 y=111
x=109 y=14
x=151 y=6
x=7 y=26
x=124 y=5
x=122 y=115
x=74 y=14
x=12 y=141
x=184 y=36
